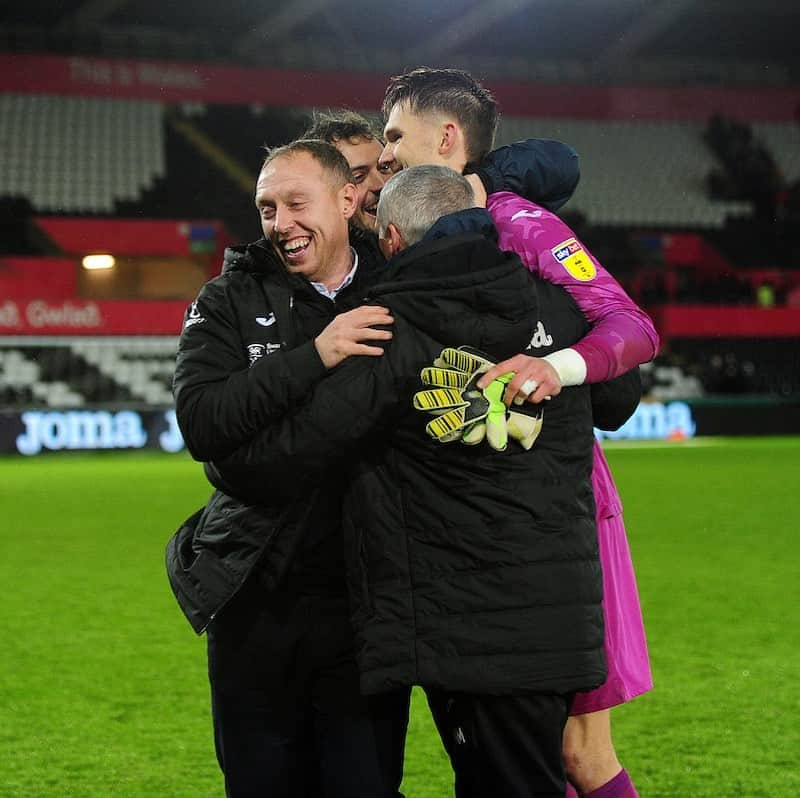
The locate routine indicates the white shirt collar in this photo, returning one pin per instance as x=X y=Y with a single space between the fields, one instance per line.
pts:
x=332 y=292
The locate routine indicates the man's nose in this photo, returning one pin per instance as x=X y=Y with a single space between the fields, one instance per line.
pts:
x=378 y=180
x=387 y=156
x=283 y=220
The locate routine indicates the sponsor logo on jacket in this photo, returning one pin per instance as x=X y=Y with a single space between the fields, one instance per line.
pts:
x=540 y=338
x=256 y=351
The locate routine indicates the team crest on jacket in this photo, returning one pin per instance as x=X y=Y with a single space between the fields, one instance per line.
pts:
x=256 y=351
x=193 y=316
x=574 y=258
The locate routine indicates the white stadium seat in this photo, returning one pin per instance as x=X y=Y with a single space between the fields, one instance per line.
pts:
x=78 y=372
x=650 y=173
x=79 y=154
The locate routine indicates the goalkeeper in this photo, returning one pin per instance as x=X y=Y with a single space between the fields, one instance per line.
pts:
x=461 y=578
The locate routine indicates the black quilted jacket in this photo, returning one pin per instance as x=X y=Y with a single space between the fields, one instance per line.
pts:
x=468 y=569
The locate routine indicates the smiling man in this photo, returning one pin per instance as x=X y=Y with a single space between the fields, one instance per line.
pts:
x=261 y=568
x=354 y=137
x=293 y=197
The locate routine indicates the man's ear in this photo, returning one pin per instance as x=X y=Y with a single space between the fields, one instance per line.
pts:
x=349 y=198
x=450 y=136
x=392 y=241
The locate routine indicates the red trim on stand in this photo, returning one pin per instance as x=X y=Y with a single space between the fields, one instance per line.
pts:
x=173 y=82
x=707 y=321
x=82 y=235
x=29 y=277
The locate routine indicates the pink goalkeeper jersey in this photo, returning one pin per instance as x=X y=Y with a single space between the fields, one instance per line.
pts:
x=622 y=334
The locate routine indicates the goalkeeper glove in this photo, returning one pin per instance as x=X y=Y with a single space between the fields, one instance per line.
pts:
x=461 y=408
x=455 y=368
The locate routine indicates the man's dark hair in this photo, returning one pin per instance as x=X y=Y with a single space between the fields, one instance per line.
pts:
x=344 y=125
x=453 y=92
x=326 y=155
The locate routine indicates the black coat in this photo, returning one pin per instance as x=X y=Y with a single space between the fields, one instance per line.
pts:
x=468 y=569
x=246 y=358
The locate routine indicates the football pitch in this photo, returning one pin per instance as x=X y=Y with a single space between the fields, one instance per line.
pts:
x=103 y=689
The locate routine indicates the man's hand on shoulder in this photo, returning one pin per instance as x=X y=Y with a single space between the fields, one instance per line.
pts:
x=535 y=379
x=347 y=333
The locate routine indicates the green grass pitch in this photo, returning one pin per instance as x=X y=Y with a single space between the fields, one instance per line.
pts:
x=103 y=688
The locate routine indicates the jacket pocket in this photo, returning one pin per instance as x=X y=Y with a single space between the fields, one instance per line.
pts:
x=179 y=558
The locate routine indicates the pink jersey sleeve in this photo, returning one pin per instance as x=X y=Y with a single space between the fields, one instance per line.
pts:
x=622 y=334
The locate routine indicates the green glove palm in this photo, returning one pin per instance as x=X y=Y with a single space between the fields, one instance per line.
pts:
x=458 y=368
x=493 y=427
x=460 y=406
x=461 y=366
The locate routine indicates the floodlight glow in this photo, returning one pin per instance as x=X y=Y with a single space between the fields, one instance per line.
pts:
x=94 y=262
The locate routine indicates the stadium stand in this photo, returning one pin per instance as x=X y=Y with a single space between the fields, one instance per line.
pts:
x=740 y=366
x=123 y=371
x=213 y=154
x=664 y=379
x=67 y=372
x=643 y=206
x=79 y=154
x=654 y=170
x=783 y=142
x=636 y=173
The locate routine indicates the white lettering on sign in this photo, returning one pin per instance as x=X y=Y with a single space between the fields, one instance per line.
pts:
x=655 y=421
x=80 y=430
x=171 y=440
x=168 y=77
x=86 y=70
x=40 y=314
x=9 y=314
x=106 y=73
x=125 y=75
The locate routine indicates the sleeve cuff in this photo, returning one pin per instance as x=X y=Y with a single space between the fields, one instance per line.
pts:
x=569 y=365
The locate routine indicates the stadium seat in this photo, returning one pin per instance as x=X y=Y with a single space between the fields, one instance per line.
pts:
x=79 y=154
x=649 y=173
x=77 y=372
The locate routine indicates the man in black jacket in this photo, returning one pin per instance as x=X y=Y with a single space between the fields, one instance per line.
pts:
x=462 y=578
x=265 y=577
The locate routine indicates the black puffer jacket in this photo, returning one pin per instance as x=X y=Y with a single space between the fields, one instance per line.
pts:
x=468 y=569
x=246 y=357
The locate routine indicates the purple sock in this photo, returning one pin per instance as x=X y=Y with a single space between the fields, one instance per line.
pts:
x=620 y=786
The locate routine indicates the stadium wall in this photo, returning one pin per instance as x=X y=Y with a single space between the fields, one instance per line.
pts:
x=173 y=82
x=81 y=235
x=35 y=432
x=54 y=296
x=711 y=321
